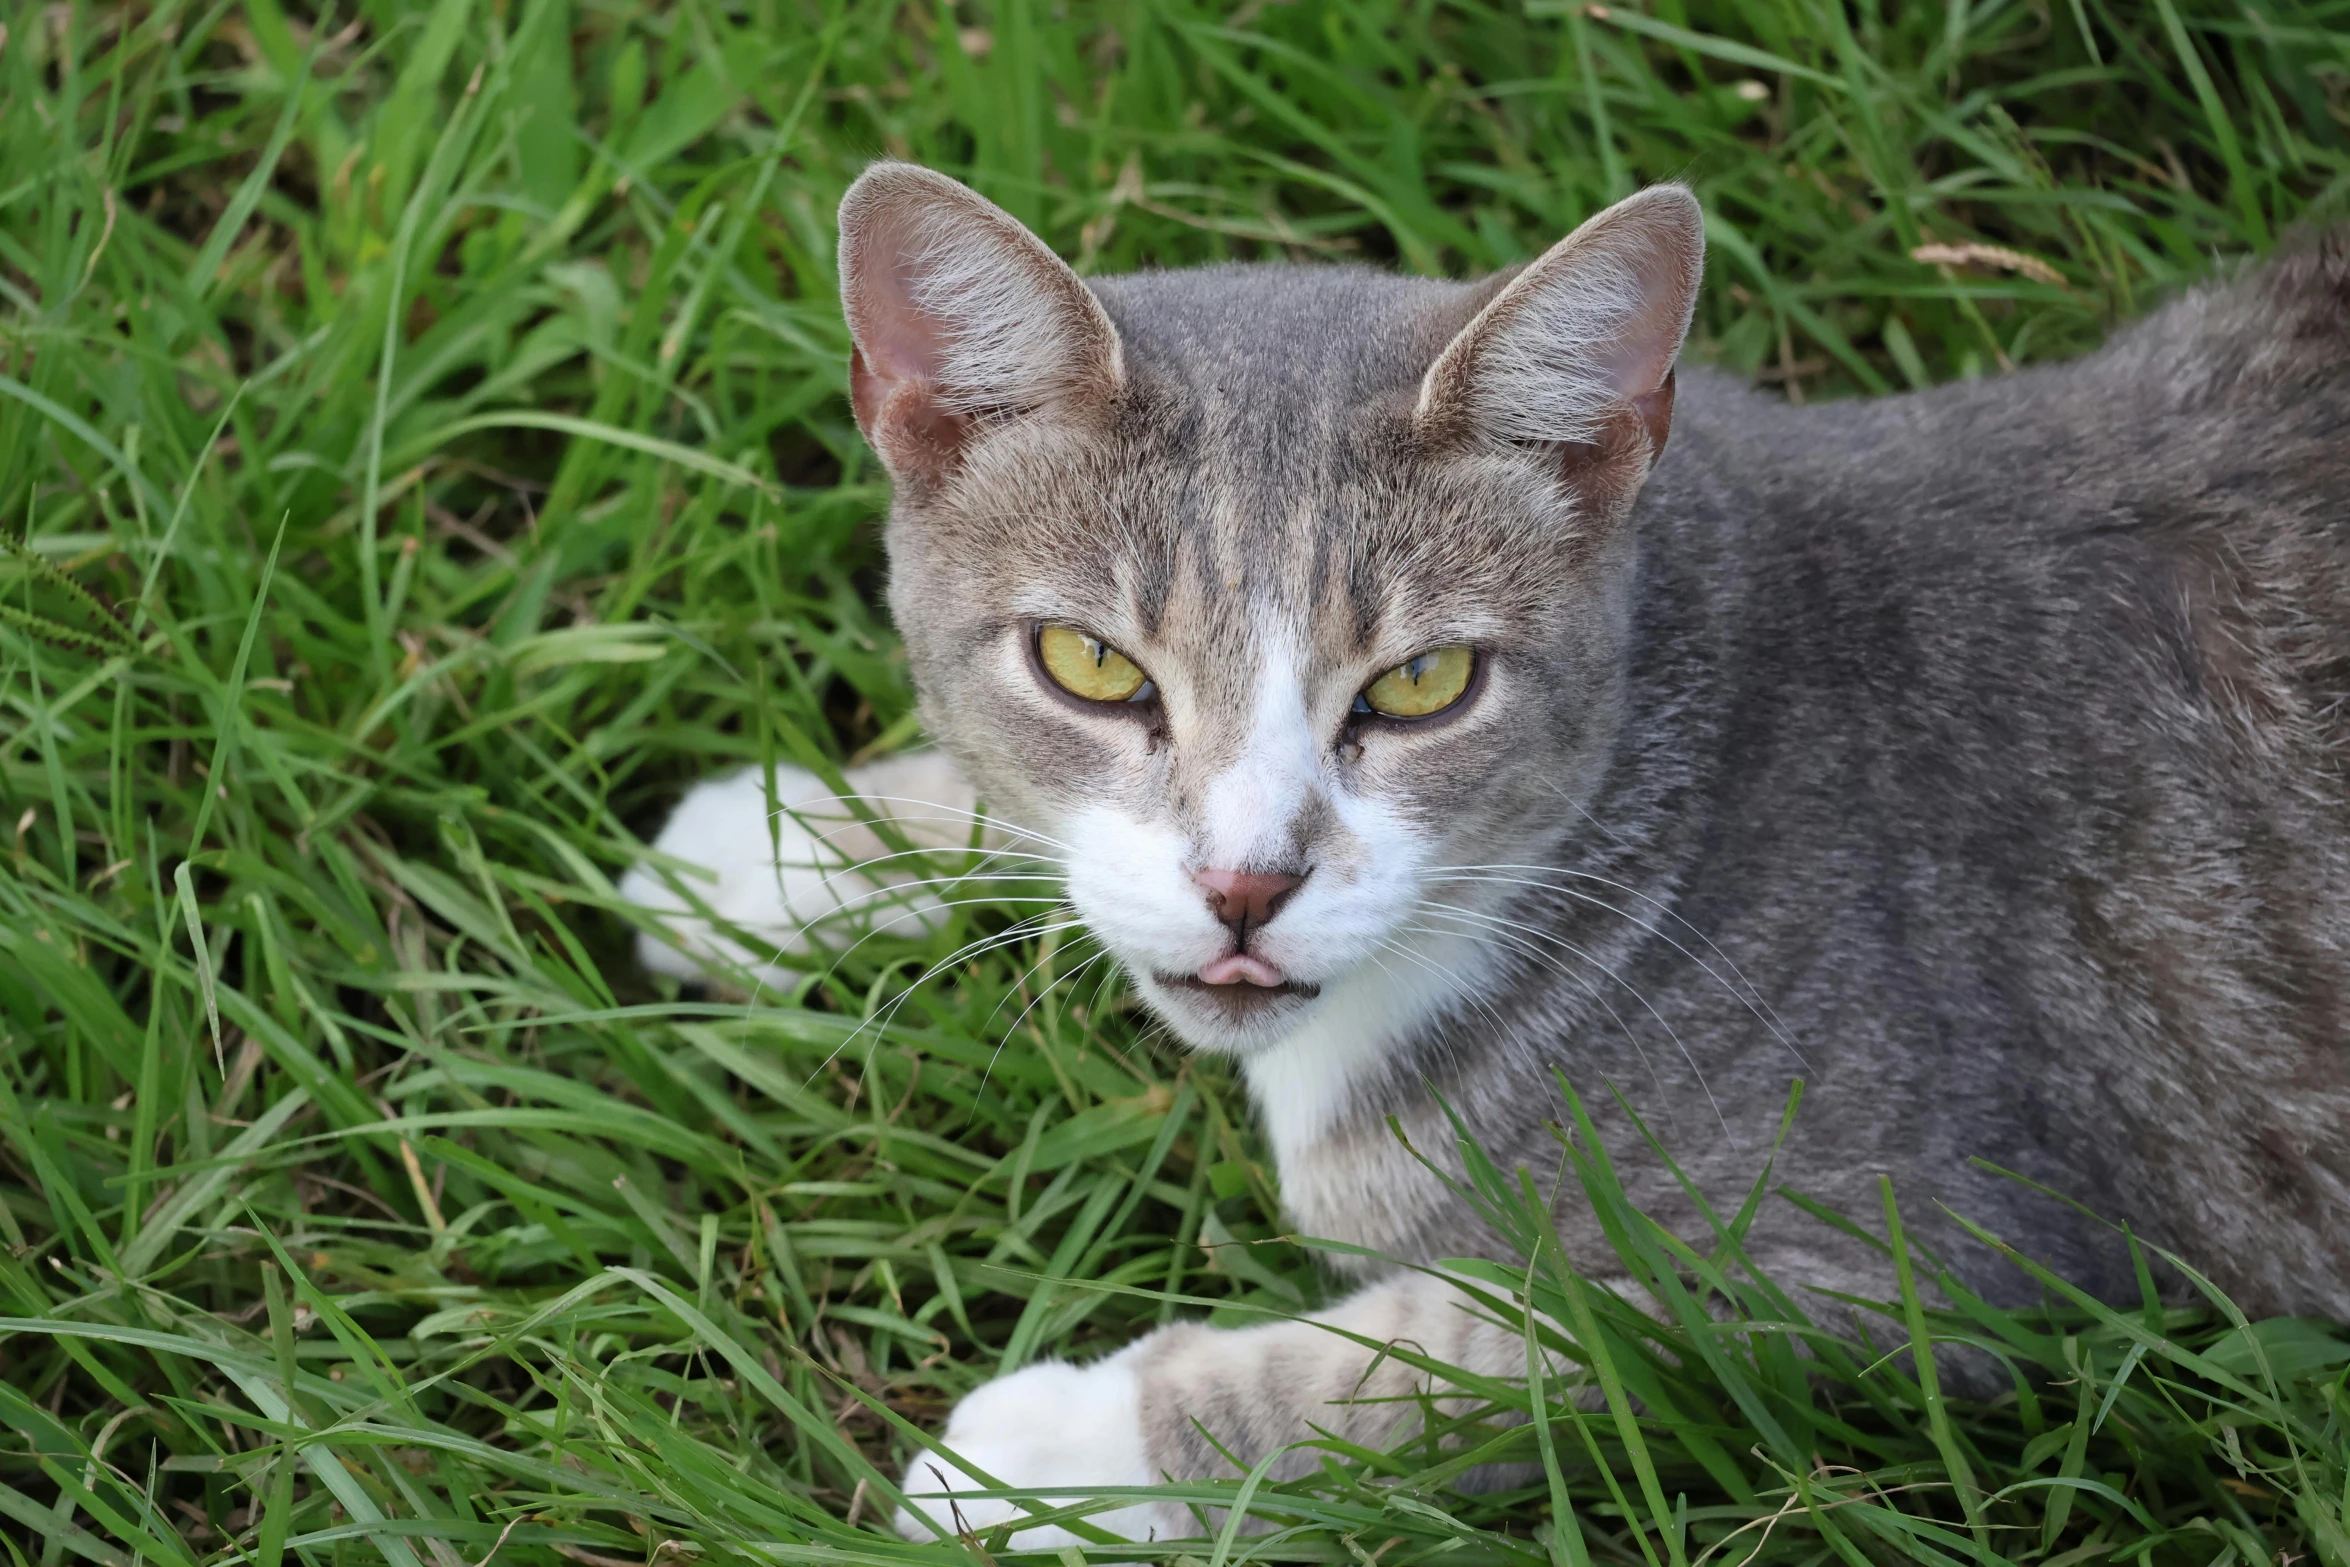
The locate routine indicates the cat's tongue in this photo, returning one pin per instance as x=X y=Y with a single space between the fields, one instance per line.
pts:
x=1240 y=968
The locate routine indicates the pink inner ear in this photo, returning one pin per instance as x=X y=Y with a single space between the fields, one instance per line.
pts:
x=897 y=342
x=1583 y=339
x=1638 y=362
x=905 y=416
x=1654 y=410
x=957 y=315
x=898 y=356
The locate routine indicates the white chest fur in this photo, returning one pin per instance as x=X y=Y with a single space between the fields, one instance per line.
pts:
x=1329 y=1076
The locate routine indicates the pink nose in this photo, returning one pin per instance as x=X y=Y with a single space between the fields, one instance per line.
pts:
x=1242 y=899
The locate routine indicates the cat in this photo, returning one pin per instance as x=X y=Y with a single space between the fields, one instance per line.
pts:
x=1419 y=686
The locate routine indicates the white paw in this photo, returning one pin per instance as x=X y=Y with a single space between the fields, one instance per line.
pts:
x=1052 y=1424
x=771 y=884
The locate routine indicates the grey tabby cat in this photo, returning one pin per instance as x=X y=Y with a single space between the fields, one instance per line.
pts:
x=1400 y=710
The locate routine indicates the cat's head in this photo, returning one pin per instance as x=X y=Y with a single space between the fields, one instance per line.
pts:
x=1266 y=596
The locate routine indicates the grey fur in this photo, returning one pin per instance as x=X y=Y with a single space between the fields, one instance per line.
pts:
x=1991 y=738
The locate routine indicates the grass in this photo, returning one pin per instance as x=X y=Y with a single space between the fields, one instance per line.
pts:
x=423 y=450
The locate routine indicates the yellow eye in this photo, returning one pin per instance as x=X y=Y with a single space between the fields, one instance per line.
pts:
x=1089 y=667
x=1419 y=686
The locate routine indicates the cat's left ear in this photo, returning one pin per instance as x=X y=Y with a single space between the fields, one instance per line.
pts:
x=1576 y=353
x=962 y=320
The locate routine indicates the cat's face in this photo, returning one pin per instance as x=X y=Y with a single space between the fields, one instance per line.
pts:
x=1226 y=586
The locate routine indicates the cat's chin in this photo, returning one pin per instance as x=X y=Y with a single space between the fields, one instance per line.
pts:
x=1229 y=1017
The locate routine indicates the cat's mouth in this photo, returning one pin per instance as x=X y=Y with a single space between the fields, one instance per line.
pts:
x=1242 y=998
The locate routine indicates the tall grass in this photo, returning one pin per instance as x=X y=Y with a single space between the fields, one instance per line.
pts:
x=422 y=450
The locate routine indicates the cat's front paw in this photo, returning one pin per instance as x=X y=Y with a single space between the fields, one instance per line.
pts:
x=1050 y=1425
x=770 y=879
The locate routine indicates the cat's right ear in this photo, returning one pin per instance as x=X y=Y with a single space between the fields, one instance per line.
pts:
x=961 y=319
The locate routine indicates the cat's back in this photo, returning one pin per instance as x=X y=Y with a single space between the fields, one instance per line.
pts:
x=2038 y=698
x=2274 y=339
x=2236 y=394
x=2165 y=521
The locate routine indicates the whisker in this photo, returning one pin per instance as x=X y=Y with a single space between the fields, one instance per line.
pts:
x=1444 y=972
x=1004 y=866
x=889 y=1014
x=1481 y=873
x=964 y=813
x=1108 y=974
x=849 y=867
x=999 y=865
x=977 y=947
x=960 y=953
x=988 y=1026
x=880 y=1021
x=1528 y=932
x=1528 y=949
x=885 y=926
x=1006 y=1037
x=1754 y=991
x=1751 y=997
x=884 y=889
x=775 y=957
x=1011 y=935
x=1598 y=825
x=1444 y=1039
x=700 y=909
x=1014 y=989
x=775 y=954
x=842 y=863
x=1440 y=1039
x=1008 y=852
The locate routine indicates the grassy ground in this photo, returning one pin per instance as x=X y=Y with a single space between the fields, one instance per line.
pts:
x=422 y=450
